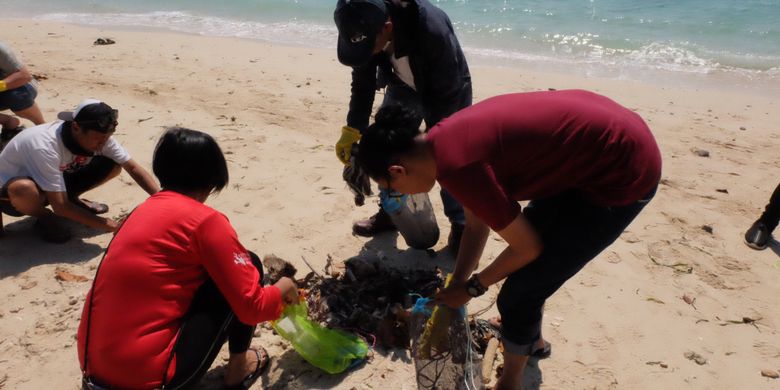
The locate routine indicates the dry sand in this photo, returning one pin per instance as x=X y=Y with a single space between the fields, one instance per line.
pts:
x=620 y=323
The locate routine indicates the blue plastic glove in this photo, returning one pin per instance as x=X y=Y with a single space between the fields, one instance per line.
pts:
x=392 y=202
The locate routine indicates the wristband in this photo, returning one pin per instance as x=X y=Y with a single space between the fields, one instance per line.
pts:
x=3 y=86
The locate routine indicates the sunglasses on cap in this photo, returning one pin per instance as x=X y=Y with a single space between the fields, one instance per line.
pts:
x=105 y=124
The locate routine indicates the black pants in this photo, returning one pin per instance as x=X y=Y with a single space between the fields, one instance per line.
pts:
x=92 y=174
x=771 y=214
x=573 y=232
x=208 y=324
x=76 y=183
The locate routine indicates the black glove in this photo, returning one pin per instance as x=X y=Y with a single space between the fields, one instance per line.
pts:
x=356 y=179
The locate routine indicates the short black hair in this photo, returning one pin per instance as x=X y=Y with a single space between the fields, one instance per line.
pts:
x=390 y=136
x=189 y=160
x=98 y=117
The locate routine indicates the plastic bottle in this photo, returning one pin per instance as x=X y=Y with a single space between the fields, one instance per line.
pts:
x=413 y=216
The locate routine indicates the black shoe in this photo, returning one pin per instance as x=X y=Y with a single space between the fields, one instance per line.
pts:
x=7 y=134
x=453 y=241
x=757 y=237
x=378 y=223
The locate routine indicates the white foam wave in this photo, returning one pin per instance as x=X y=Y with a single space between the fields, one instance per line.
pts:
x=292 y=32
x=575 y=50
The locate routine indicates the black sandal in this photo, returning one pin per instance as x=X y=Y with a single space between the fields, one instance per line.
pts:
x=262 y=364
x=93 y=207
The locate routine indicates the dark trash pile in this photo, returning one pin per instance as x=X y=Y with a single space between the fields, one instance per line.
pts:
x=362 y=296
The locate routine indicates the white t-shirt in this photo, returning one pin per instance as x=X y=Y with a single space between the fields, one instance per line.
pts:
x=401 y=67
x=39 y=153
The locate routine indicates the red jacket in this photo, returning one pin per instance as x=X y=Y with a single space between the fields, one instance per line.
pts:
x=166 y=249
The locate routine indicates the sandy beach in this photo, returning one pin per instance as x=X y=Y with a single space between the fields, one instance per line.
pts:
x=621 y=323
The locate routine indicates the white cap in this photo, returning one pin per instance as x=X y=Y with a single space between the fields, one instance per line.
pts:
x=71 y=115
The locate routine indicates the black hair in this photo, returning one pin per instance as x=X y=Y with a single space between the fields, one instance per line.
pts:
x=98 y=117
x=189 y=160
x=390 y=136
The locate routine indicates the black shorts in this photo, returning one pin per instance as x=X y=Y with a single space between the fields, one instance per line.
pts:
x=5 y=202
x=18 y=99
x=76 y=183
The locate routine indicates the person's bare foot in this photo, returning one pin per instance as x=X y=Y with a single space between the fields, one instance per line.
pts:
x=241 y=366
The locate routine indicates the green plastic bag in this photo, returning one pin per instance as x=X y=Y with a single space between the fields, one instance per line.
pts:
x=331 y=350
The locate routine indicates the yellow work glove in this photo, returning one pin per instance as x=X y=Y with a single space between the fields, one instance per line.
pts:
x=3 y=86
x=349 y=137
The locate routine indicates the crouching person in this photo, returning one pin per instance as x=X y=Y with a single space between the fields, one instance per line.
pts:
x=175 y=284
x=54 y=163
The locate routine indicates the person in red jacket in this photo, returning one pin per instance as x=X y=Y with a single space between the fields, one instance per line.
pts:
x=587 y=165
x=175 y=284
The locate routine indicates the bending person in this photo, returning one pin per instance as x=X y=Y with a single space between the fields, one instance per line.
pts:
x=410 y=49
x=17 y=88
x=54 y=163
x=176 y=283
x=587 y=164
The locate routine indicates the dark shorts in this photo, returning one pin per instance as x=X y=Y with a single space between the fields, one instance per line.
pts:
x=18 y=99
x=573 y=231
x=76 y=183
x=5 y=203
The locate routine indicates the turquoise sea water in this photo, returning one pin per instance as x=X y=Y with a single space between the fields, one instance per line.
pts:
x=738 y=40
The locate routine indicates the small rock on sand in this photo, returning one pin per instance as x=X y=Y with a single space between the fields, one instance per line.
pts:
x=701 y=152
x=700 y=360
x=65 y=276
x=28 y=285
x=770 y=374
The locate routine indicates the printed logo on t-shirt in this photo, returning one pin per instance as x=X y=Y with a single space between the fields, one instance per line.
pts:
x=77 y=163
x=240 y=258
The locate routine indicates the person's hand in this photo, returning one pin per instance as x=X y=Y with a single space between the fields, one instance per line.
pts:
x=357 y=181
x=289 y=290
x=112 y=226
x=453 y=296
x=349 y=136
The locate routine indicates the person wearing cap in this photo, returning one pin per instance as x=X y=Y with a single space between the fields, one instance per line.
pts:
x=17 y=90
x=56 y=162
x=410 y=48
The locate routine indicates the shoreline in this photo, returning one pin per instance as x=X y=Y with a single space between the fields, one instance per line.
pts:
x=276 y=111
x=765 y=83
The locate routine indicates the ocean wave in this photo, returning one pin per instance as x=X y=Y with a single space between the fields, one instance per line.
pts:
x=290 y=32
x=584 y=49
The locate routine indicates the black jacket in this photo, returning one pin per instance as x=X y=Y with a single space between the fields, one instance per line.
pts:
x=441 y=76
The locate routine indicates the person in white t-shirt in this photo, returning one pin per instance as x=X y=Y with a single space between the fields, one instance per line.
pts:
x=54 y=163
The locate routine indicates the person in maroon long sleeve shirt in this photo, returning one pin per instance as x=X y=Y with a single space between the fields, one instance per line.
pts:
x=176 y=283
x=587 y=164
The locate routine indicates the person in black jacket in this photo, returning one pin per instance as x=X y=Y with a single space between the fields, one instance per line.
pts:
x=410 y=49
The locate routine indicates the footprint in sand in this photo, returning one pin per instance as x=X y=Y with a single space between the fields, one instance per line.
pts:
x=612 y=257
x=766 y=350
